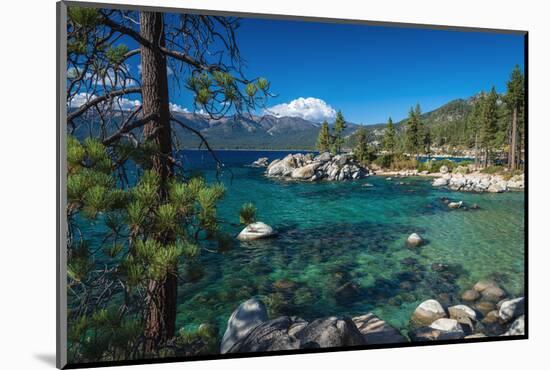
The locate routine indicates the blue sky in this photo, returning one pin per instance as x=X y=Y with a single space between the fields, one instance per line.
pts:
x=368 y=72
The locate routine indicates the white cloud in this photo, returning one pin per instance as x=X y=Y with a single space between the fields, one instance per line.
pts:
x=312 y=109
x=83 y=97
x=125 y=103
x=178 y=108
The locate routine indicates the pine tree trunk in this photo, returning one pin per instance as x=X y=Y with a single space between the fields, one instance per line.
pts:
x=161 y=296
x=513 y=144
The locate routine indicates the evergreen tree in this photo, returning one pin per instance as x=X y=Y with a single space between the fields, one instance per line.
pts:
x=125 y=307
x=427 y=141
x=414 y=132
x=338 y=139
x=324 y=140
x=515 y=98
x=473 y=124
x=361 y=150
x=489 y=126
x=389 y=141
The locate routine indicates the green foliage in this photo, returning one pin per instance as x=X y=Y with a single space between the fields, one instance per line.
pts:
x=493 y=169
x=80 y=263
x=83 y=17
x=339 y=126
x=384 y=160
x=115 y=54
x=389 y=141
x=415 y=135
x=247 y=214
x=363 y=152
x=489 y=118
x=324 y=141
x=251 y=89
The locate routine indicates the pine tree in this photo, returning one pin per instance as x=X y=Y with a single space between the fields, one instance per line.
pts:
x=389 y=141
x=473 y=124
x=414 y=132
x=489 y=126
x=515 y=97
x=361 y=150
x=323 y=140
x=160 y=218
x=339 y=126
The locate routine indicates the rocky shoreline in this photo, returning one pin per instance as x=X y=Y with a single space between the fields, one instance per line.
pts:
x=484 y=312
x=464 y=179
x=306 y=167
x=341 y=167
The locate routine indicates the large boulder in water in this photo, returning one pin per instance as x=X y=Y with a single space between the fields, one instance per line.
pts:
x=242 y=321
x=287 y=333
x=512 y=308
x=377 y=331
x=414 y=240
x=282 y=167
x=427 y=312
x=256 y=230
x=260 y=162
x=272 y=335
x=330 y=332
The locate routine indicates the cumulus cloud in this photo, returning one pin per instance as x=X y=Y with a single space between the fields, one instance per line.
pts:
x=178 y=108
x=120 y=102
x=312 y=109
x=123 y=103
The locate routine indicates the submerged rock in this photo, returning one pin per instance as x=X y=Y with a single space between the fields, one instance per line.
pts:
x=414 y=240
x=485 y=307
x=256 y=230
x=242 y=321
x=347 y=291
x=455 y=205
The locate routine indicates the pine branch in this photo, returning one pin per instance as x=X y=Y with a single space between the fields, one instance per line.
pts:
x=100 y=99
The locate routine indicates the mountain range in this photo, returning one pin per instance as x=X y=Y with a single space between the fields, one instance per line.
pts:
x=292 y=133
x=270 y=132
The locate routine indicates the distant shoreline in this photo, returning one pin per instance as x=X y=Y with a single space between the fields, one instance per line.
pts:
x=314 y=151
x=253 y=150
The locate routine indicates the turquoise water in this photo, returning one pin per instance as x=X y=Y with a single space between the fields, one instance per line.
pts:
x=330 y=234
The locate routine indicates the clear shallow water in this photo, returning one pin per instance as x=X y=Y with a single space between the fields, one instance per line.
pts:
x=330 y=234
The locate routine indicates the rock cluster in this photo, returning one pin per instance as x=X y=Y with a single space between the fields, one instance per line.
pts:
x=249 y=330
x=325 y=166
x=479 y=182
x=487 y=313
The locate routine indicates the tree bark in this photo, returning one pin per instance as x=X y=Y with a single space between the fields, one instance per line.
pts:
x=513 y=144
x=161 y=299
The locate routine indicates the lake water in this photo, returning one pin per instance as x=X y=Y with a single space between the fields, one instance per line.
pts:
x=330 y=234
x=333 y=235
